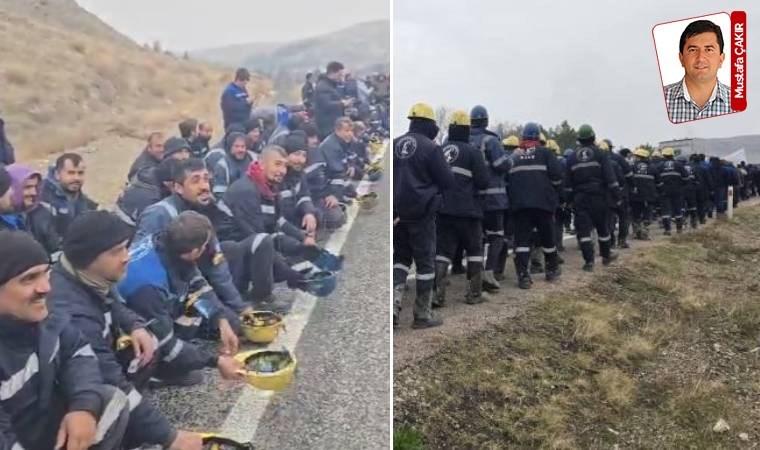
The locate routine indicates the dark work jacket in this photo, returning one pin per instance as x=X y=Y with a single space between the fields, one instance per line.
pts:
x=143 y=190
x=156 y=218
x=645 y=180
x=307 y=94
x=327 y=105
x=420 y=173
x=470 y=176
x=495 y=195
x=535 y=177
x=7 y=152
x=294 y=197
x=672 y=176
x=692 y=182
x=234 y=104
x=101 y=321
x=589 y=171
x=256 y=214
x=326 y=168
x=627 y=173
x=63 y=208
x=46 y=370
x=144 y=161
x=38 y=222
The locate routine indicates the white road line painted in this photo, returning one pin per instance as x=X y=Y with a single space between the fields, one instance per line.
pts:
x=243 y=420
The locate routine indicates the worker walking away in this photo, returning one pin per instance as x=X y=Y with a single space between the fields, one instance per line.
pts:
x=510 y=143
x=534 y=175
x=495 y=200
x=589 y=178
x=672 y=181
x=420 y=173
x=620 y=211
x=690 y=190
x=459 y=221
x=643 y=193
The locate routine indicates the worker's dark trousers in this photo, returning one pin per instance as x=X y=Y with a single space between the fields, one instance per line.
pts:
x=414 y=242
x=721 y=199
x=526 y=220
x=672 y=208
x=591 y=212
x=508 y=241
x=620 y=215
x=493 y=228
x=112 y=423
x=559 y=226
x=703 y=204
x=255 y=265
x=453 y=232
x=690 y=199
x=639 y=211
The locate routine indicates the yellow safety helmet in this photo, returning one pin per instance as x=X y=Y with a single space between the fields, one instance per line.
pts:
x=603 y=146
x=656 y=154
x=421 y=111
x=668 y=151
x=511 y=141
x=552 y=145
x=460 y=117
x=641 y=152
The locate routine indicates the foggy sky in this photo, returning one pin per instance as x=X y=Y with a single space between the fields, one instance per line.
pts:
x=585 y=61
x=196 y=24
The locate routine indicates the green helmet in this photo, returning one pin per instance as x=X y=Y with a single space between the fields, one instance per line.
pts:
x=585 y=132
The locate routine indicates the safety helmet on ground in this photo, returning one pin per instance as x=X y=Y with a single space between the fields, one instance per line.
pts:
x=261 y=327
x=328 y=261
x=478 y=112
x=421 y=111
x=320 y=284
x=531 y=132
x=585 y=132
x=511 y=141
x=270 y=370
x=668 y=151
x=641 y=152
x=460 y=118
x=603 y=146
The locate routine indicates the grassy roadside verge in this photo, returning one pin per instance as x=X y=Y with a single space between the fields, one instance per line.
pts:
x=650 y=355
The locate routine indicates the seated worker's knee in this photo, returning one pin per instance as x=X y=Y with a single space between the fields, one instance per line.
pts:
x=113 y=417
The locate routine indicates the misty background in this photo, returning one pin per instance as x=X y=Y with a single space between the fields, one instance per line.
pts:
x=199 y=24
x=583 y=61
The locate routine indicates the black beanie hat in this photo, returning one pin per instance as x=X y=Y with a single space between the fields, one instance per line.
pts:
x=20 y=252
x=175 y=144
x=295 y=141
x=5 y=181
x=92 y=233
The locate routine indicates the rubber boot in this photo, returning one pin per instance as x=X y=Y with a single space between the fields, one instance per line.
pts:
x=679 y=225
x=536 y=266
x=441 y=270
x=475 y=289
x=694 y=222
x=423 y=315
x=489 y=282
x=552 y=266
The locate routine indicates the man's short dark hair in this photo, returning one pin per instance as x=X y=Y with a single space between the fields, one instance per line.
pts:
x=341 y=122
x=242 y=74
x=186 y=128
x=334 y=66
x=187 y=167
x=309 y=75
x=155 y=134
x=187 y=232
x=75 y=159
x=699 y=27
x=311 y=129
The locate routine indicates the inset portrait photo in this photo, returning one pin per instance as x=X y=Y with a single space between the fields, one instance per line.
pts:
x=695 y=66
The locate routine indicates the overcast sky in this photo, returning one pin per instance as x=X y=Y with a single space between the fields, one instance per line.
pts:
x=585 y=61
x=195 y=24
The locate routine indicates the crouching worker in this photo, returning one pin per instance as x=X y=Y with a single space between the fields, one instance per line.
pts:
x=51 y=392
x=274 y=242
x=84 y=287
x=163 y=284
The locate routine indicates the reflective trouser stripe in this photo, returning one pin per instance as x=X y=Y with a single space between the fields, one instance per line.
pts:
x=522 y=250
x=110 y=414
x=442 y=259
x=425 y=276
x=586 y=239
x=604 y=238
x=174 y=352
x=549 y=250
x=134 y=398
x=401 y=266
x=474 y=259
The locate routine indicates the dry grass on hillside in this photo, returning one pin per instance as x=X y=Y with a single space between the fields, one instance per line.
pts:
x=62 y=88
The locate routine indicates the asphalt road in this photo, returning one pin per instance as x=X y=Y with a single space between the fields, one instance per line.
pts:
x=340 y=397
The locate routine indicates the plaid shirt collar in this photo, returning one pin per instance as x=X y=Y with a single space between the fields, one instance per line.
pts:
x=681 y=108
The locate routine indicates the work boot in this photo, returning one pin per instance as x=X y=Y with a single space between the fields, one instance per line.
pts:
x=457 y=268
x=694 y=223
x=588 y=267
x=560 y=260
x=441 y=270
x=624 y=243
x=553 y=275
x=499 y=276
x=272 y=303
x=423 y=316
x=489 y=282
x=610 y=259
x=475 y=289
x=536 y=266
x=667 y=233
x=524 y=281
